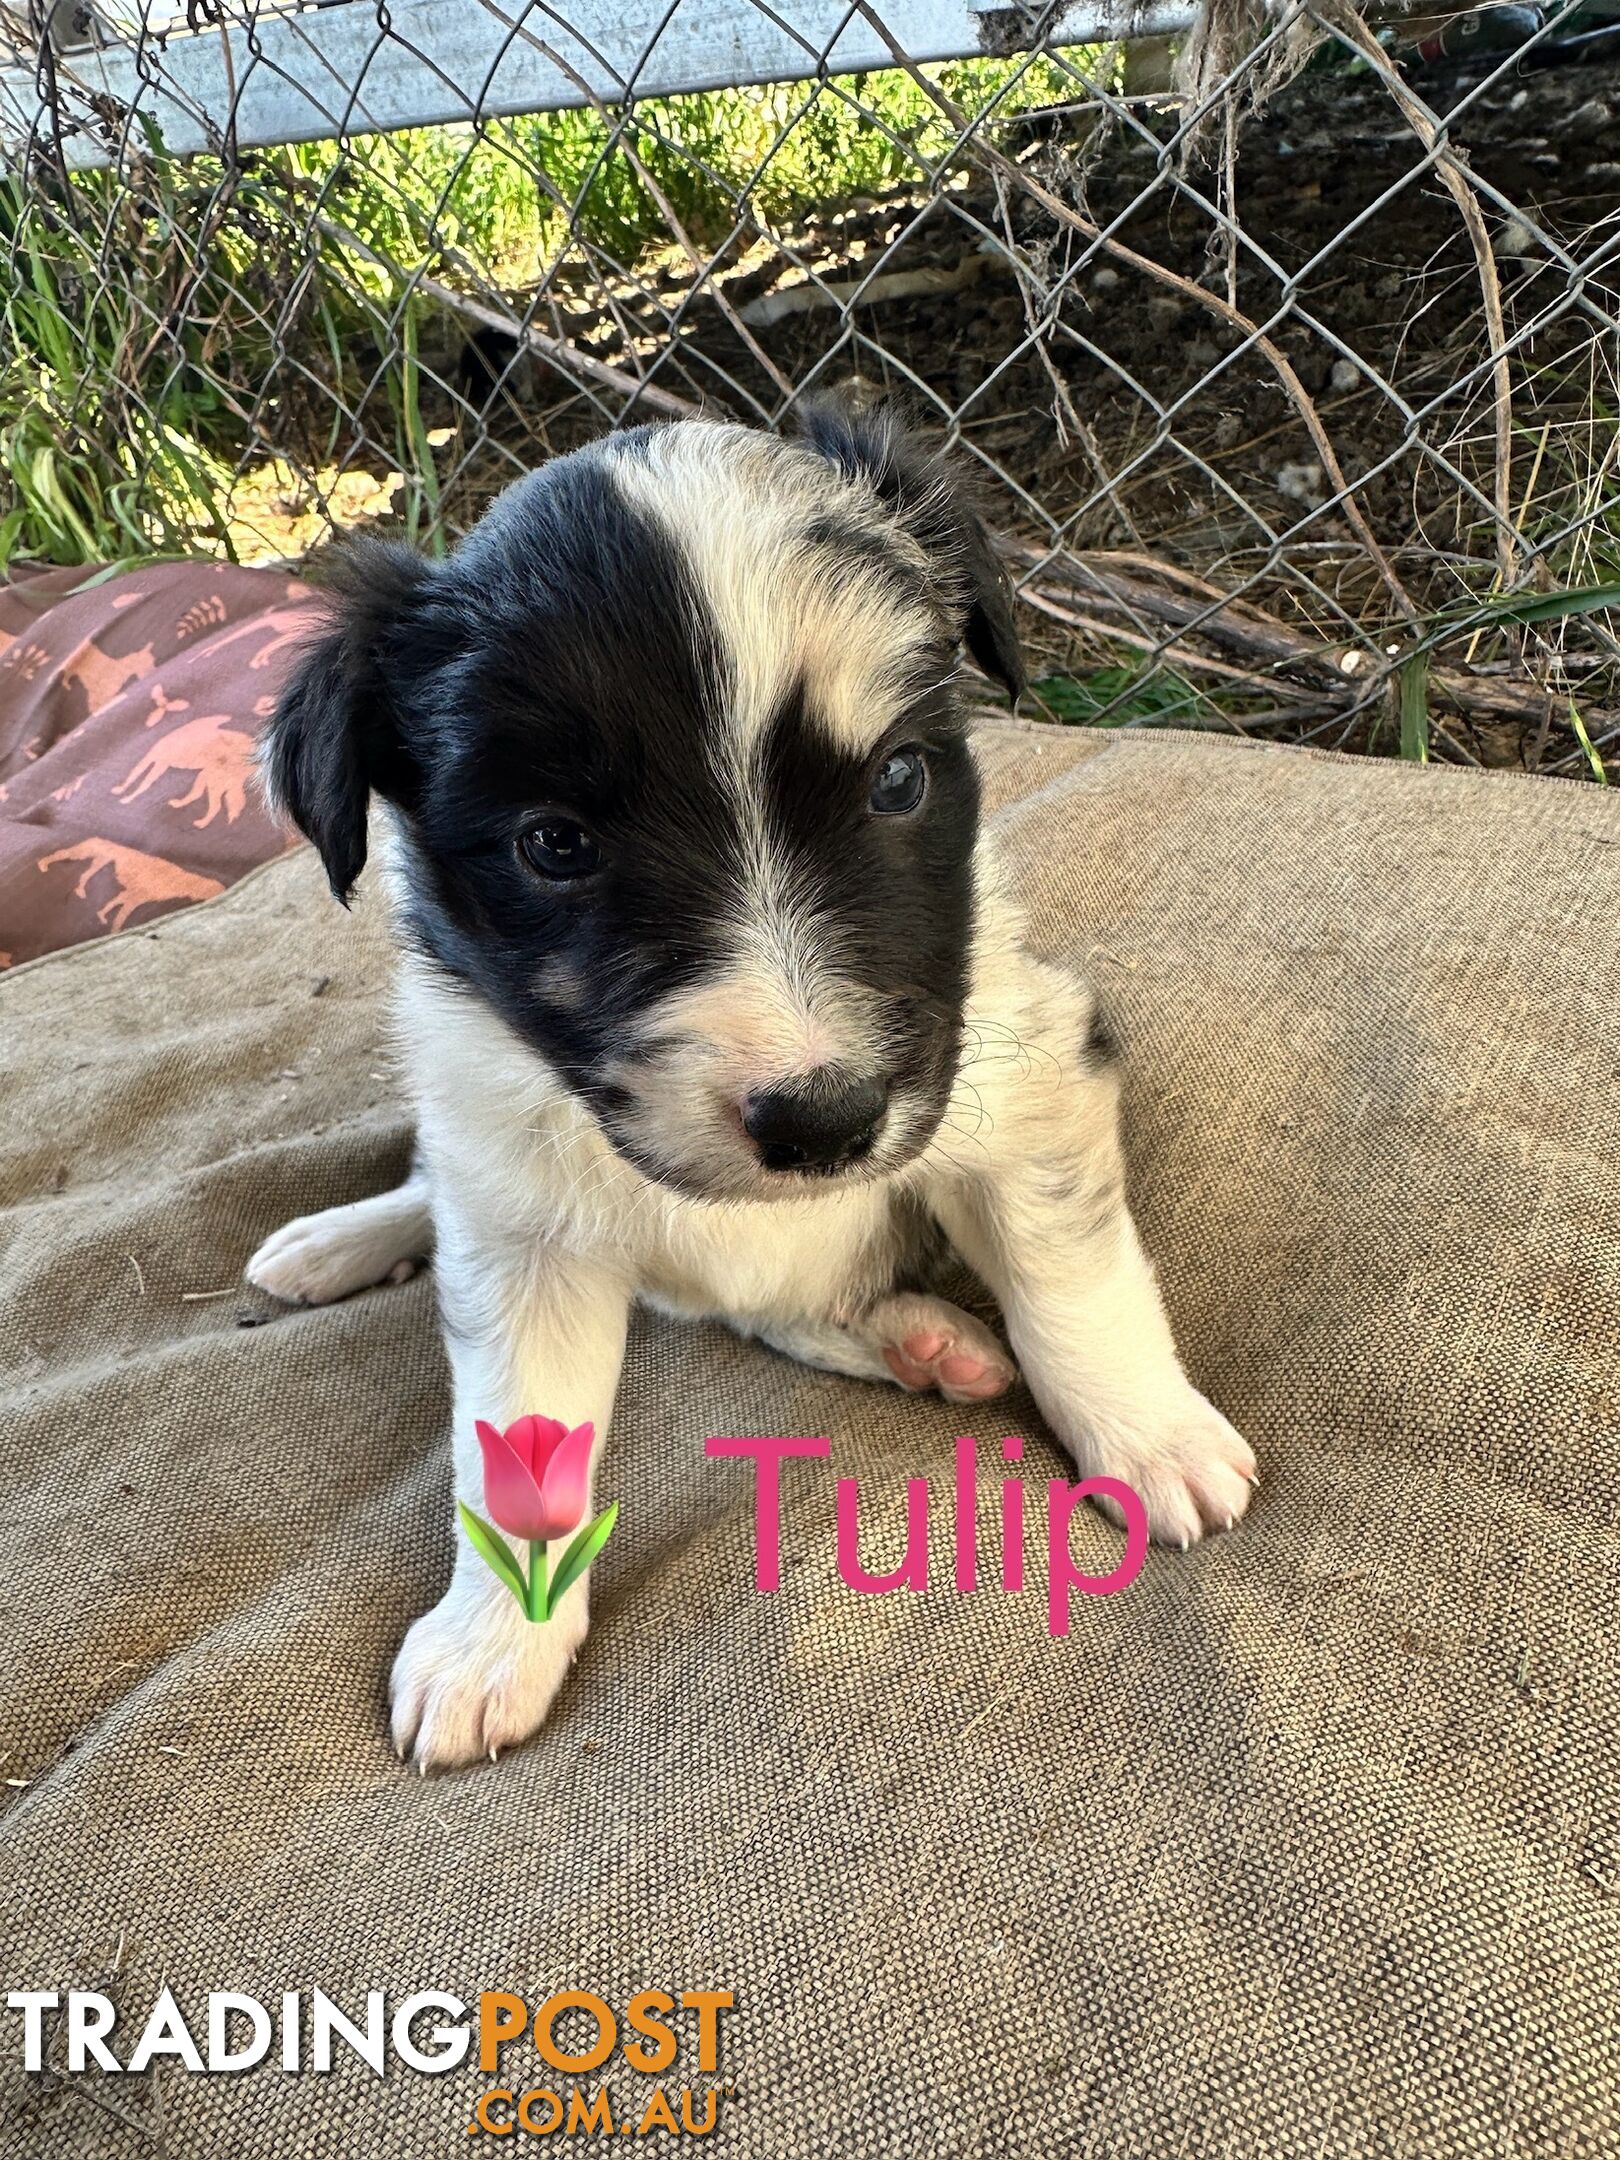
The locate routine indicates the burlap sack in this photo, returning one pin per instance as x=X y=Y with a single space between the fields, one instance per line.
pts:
x=1307 y=1844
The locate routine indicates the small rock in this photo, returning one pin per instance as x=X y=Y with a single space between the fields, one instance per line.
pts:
x=1301 y=482
x=1589 y=122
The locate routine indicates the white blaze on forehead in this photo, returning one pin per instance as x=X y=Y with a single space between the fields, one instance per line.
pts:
x=741 y=507
x=791 y=613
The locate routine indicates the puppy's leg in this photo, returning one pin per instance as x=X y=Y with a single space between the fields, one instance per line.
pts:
x=921 y=1341
x=543 y=1333
x=822 y=1343
x=1040 y=1212
x=321 y=1257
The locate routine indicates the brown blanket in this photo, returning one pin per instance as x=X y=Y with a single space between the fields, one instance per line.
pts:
x=1307 y=1844
x=129 y=706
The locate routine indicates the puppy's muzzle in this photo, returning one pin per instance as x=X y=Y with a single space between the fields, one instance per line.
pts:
x=819 y=1121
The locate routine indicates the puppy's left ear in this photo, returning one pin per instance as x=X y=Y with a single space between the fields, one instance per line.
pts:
x=340 y=732
x=927 y=495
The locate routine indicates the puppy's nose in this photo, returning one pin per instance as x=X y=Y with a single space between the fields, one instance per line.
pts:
x=819 y=1121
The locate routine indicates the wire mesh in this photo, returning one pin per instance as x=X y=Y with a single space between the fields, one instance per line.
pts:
x=1293 y=393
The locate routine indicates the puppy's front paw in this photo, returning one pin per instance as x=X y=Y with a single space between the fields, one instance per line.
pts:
x=320 y=1258
x=473 y=1676
x=1193 y=1471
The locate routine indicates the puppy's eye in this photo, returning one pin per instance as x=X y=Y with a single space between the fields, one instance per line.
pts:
x=901 y=781
x=560 y=848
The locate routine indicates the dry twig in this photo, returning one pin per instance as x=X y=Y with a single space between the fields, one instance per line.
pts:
x=997 y=162
x=1453 y=174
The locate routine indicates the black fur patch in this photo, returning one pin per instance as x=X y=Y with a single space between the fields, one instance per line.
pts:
x=895 y=893
x=590 y=682
x=1102 y=1046
x=337 y=733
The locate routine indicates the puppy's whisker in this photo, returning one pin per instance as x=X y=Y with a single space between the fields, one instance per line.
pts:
x=980 y=1111
x=939 y=1149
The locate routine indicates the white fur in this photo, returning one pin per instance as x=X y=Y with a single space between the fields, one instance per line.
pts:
x=318 y=1258
x=736 y=504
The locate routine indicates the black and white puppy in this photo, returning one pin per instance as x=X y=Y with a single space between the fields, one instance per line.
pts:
x=710 y=995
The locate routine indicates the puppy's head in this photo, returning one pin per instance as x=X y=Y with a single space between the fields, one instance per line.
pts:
x=681 y=782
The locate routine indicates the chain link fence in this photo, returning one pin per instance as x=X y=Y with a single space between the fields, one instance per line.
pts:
x=1286 y=342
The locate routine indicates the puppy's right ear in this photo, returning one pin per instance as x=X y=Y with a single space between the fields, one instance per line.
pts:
x=338 y=732
x=929 y=497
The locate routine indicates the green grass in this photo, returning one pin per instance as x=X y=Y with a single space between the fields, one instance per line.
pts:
x=1151 y=696
x=506 y=193
x=106 y=452
x=1498 y=611
x=143 y=315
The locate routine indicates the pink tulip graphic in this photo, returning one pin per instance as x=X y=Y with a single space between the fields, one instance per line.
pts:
x=534 y=1485
x=534 y=1475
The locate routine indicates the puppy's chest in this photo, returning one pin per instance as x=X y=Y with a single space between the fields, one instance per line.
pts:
x=821 y=1260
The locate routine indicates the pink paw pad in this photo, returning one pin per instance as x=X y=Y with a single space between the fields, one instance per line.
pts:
x=931 y=1358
